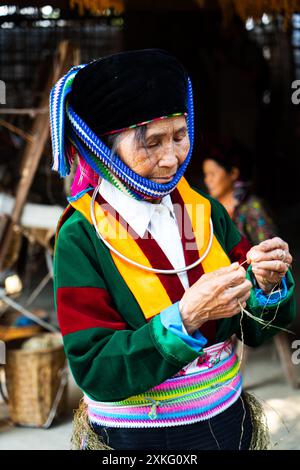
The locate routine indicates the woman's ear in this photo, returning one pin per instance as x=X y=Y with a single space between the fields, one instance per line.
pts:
x=235 y=173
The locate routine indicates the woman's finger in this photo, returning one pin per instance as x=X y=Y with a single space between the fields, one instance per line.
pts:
x=273 y=244
x=277 y=254
x=241 y=290
x=276 y=265
x=234 y=278
x=245 y=297
x=220 y=272
x=234 y=307
x=219 y=283
x=268 y=272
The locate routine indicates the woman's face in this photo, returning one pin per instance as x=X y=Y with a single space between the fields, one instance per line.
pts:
x=218 y=181
x=159 y=155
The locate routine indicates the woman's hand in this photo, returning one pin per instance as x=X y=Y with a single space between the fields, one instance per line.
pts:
x=215 y=295
x=270 y=261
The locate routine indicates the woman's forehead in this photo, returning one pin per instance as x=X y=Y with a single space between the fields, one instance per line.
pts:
x=212 y=165
x=166 y=125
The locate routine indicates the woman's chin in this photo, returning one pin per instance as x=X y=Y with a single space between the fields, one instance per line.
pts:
x=214 y=194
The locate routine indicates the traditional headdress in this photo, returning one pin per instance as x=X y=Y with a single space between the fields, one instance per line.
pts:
x=109 y=95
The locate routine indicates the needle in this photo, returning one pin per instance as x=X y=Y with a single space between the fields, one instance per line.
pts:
x=243 y=262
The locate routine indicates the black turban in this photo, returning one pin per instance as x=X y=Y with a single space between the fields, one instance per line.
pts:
x=128 y=88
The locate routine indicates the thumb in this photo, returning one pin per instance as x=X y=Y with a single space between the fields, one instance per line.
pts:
x=227 y=269
x=234 y=266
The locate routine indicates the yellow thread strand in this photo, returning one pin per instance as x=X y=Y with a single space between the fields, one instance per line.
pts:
x=242 y=425
x=263 y=322
x=276 y=311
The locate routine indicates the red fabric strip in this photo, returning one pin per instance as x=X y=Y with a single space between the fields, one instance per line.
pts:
x=191 y=255
x=239 y=251
x=154 y=253
x=81 y=308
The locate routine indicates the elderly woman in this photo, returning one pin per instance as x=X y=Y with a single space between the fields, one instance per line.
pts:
x=148 y=283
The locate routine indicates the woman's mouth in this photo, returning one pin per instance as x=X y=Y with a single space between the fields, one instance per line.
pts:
x=163 y=179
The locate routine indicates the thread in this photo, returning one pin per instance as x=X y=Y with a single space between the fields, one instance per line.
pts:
x=264 y=325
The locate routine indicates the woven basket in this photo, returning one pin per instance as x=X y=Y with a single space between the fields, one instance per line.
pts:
x=36 y=385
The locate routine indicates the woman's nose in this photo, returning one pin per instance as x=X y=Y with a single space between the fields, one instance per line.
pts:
x=169 y=158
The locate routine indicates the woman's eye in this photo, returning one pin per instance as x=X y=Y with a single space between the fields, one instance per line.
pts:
x=179 y=137
x=152 y=145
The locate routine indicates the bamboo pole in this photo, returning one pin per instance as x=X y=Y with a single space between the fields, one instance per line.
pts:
x=34 y=148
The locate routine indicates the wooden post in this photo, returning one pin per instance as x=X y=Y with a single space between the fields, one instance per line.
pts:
x=33 y=151
x=285 y=356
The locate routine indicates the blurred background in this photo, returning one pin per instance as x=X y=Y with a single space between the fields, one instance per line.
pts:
x=243 y=58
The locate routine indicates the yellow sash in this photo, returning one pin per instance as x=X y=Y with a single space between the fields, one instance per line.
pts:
x=146 y=287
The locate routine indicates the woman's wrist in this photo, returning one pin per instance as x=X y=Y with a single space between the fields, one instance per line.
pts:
x=264 y=285
x=186 y=320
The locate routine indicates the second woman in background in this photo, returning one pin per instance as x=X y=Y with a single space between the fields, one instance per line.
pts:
x=227 y=175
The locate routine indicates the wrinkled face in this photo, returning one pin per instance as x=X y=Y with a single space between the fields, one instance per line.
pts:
x=160 y=153
x=218 y=181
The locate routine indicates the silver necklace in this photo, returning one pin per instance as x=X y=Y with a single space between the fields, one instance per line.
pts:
x=147 y=268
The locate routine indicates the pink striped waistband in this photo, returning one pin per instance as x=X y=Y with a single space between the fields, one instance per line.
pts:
x=201 y=391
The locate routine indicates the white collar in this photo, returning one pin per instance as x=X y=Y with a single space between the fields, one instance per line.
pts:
x=137 y=214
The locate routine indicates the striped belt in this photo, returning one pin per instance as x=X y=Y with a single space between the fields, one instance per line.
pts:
x=202 y=389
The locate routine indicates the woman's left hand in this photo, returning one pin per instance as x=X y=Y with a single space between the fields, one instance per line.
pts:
x=270 y=261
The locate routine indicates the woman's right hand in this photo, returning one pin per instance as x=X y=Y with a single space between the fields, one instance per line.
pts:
x=215 y=295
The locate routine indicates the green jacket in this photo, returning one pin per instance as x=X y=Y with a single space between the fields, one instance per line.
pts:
x=112 y=350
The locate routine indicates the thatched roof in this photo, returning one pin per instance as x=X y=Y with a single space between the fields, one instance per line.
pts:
x=244 y=8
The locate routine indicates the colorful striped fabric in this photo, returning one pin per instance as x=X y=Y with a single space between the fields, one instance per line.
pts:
x=202 y=389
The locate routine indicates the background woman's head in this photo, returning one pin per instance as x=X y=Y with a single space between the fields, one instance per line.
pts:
x=225 y=162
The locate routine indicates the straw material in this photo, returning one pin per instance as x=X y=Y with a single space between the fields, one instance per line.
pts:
x=84 y=438
x=260 y=435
